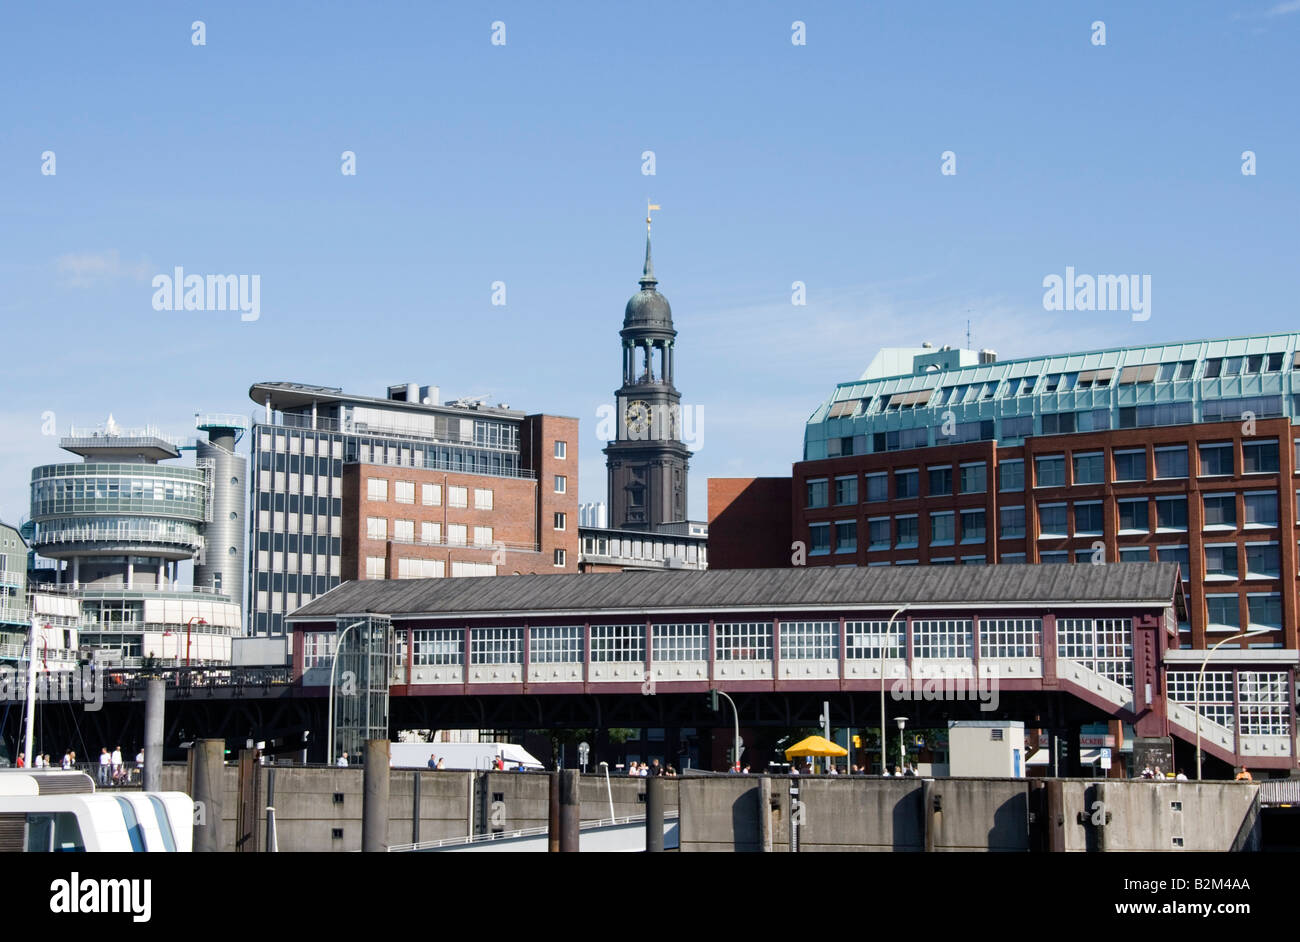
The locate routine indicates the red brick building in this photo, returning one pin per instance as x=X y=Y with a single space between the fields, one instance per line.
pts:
x=411 y=523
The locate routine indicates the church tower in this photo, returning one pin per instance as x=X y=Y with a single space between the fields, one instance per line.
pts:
x=647 y=462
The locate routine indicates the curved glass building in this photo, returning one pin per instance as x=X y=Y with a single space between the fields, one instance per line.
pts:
x=118 y=524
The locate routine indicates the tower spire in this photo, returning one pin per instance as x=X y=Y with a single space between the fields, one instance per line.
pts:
x=648 y=279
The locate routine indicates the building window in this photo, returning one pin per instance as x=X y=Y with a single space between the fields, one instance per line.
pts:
x=907 y=484
x=617 y=643
x=482 y=536
x=457 y=497
x=376 y=489
x=810 y=640
x=556 y=645
x=878 y=533
x=1220 y=511
x=819 y=539
x=1089 y=520
x=678 y=643
x=561 y=449
x=1088 y=469
x=1012 y=559
x=818 y=491
x=1171 y=513
x=1221 y=561
x=482 y=498
x=846 y=536
x=1103 y=645
x=1130 y=465
x=877 y=486
x=438 y=647
x=404 y=530
x=974 y=478
x=941 y=528
x=846 y=490
x=1176 y=554
x=940 y=481
x=743 y=641
x=560 y=521
x=1054 y=557
x=317 y=649
x=464 y=568
x=1222 y=612
x=1261 y=509
x=1052 y=522
x=1138 y=554
x=457 y=534
x=1265 y=706
x=496 y=646
x=561 y=484
x=374 y=567
x=1259 y=457
x=941 y=638
x=907 y=532
x=1050 y=471
x=1216 y=459
x=1263 y=561
x=1011 y=475
x=864 y=639
x=1134 y=516
x=1010 y=637
x=430 y=532
x=1171 y=462
x=404 y=492
x=376 y=528
x=1215 y=693
x=1012 y=522
x=419 y=569
x=972 y=526
x=431 y=495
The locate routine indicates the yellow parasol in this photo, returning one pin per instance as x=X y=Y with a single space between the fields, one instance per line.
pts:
x=815 y=746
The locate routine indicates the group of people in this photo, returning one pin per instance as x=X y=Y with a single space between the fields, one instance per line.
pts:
x=1155 y=774
x=653 y=770
x=112 y=768
x=906 y=771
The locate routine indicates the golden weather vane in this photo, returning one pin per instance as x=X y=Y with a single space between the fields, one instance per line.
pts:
x=648 y=207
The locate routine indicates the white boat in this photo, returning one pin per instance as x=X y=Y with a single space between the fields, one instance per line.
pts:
x=61 y=811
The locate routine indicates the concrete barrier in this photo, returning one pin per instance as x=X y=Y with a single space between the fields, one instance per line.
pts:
x=319 y=809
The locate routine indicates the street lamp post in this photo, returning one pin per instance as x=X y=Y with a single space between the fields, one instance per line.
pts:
x=902 y=722
x=888 y=634
x=334 y=664
x=1200 y=679
x=736 y=716
x=188 y=626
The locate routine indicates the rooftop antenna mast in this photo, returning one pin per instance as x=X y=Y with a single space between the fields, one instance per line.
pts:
x=968 y=346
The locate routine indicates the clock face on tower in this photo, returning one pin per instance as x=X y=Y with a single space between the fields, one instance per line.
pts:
x=638 y=419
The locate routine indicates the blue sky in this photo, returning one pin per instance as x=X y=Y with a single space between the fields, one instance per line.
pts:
x=522 y=163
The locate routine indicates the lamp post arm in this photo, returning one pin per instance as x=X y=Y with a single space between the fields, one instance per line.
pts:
x=735 y=714
x=889 y=630
x=1200 y=681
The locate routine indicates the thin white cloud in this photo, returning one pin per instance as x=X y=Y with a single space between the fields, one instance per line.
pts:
x=82 y=269
x=1282 y=9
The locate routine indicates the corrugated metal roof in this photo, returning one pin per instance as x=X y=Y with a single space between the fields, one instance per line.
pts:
x=1149 y=583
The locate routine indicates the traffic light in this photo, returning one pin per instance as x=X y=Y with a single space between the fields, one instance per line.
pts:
x=712 y=700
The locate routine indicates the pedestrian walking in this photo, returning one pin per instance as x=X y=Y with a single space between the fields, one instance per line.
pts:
x=117 y=765
x=104 y=760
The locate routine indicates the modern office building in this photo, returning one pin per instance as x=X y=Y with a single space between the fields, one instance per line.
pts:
x=353 y=487
x=117 y=525
x=15 y=618
x=1182 y=452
